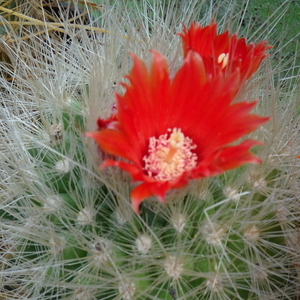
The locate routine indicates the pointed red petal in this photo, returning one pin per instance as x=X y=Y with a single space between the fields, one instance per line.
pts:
x=206 y=106
x=136 y=173
x=185 y=94
x=143 y=104
x=145 y=190
x=116 y=143
x=235 y=123
x=227 y=158
x=253 y=58
x=203 y=40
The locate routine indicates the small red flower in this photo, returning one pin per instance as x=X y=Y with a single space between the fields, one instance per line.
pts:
x=169 y=131
x=222 y=52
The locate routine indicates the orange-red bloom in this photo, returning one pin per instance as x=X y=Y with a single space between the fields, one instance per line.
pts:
x=168 y=131
x=222 y=52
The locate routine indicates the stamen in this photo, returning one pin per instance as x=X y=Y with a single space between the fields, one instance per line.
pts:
x=170 y=155
x=176 y=138
x=223 y=58
x=176 y=142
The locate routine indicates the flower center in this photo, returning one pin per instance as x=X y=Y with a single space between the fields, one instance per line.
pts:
x=223 y=59
x=170 y=155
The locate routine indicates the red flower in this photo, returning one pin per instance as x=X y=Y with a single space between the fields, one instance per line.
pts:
x=222 y=52
x=171 y=131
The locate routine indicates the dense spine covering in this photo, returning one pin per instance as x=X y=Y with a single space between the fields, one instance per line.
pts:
x=68 y=230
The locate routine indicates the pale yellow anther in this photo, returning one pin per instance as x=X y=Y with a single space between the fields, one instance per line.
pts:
x=223 y=58
x=176 y=138
x=176 y=142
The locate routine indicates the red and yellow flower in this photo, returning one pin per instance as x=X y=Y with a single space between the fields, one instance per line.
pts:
x=223 y=52
x=169 y=131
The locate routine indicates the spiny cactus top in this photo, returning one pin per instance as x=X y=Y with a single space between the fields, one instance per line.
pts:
x=222 y=52
x=168 y=131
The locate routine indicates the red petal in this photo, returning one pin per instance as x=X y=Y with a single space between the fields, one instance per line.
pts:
x=185 y=95
x=144 y=191
x=202 y=40
x=143 y=104
x=205 y=106
x=136 y=173
x=116 y=143
x=227 y=158
x=235 y=123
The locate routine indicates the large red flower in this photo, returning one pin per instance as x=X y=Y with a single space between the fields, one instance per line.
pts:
x=168 y=131
x=222 y=52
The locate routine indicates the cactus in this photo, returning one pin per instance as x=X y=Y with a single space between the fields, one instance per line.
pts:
x=68 y=230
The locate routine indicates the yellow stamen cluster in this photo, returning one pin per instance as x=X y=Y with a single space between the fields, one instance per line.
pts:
x=170 y=155
x=223 y=58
